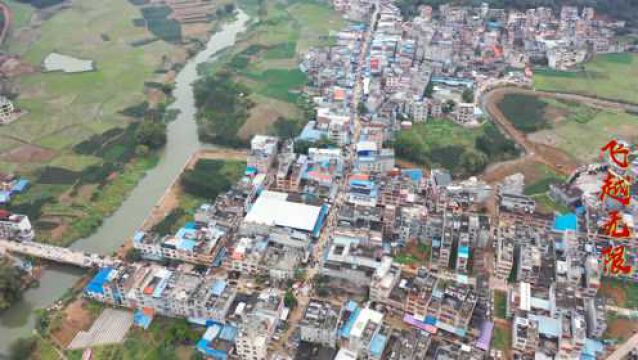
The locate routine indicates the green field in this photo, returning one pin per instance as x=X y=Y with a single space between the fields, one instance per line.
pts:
x=612 y=76
x=463 y=151
x=75 y=187
x=500 y=304
x=21 y=13
x=502 y=338
x=83 y=104
x=265 y=61
x=583 y=140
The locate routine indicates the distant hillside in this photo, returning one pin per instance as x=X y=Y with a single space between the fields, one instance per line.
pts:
x=620 y=9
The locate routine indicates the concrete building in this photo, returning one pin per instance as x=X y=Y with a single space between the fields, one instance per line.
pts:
x=15 y=227
x=320 y=323
x=159 y=290
x=258 y=326
x=263 y=151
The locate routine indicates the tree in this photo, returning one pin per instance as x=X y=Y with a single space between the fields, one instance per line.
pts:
x=22 y=348
x=289 y=299
x=10 y=285
x=152 y=134
x=448 y=106
x=361 y=108
x=287 y=128
x=473 y=162
x=133 y=255
x=468 y=95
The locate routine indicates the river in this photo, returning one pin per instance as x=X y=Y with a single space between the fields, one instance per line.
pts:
x=182 y=142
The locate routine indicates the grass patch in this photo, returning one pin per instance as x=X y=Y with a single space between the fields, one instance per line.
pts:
x=583 y=139
x=223 y=107
x=500 y=304
x=211 y=177
x=463 y=151
x=21 y=13
x=547 y=177
x=104 y=202
x=160 y=341
x=284 y=50
x=546 y=205
x=280 y=84
x=610 y=76
x=525 y=112
x=624 y=292
x=502 y=338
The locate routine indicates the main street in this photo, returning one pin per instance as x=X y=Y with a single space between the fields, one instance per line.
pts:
x=303 y=299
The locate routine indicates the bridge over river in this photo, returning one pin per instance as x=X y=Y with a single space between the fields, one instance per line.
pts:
x=57 y=254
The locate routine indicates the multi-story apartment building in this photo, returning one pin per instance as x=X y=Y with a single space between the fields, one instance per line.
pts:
x=258 y=326
x=320 y=323
x=263 y=151
x=15 y=227
x=173 y=293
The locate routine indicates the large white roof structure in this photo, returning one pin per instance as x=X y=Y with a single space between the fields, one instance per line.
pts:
x=272 y=209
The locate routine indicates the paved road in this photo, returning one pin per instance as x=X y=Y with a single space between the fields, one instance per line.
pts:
x=621 y=352
x=57 y=254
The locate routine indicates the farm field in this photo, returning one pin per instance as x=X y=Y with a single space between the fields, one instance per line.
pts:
x=266 y=57
x=575 y=128
x=582 y=140
x=612 y=76
x=77 y=143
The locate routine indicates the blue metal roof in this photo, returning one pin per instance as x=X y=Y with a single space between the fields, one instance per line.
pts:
x=20 y=186
x=377 y=344
x=567 y=222
x=96 y=285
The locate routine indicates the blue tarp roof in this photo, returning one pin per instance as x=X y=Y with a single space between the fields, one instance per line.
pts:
x=347 y=327
x=464 y=251
x=430 y=320
x=566 y=222
x=414 y=174
x=190 y=225
x=20 y=186
x=96 y=285
x=377 y=344
x=186 y=244
x=202 y=346
x=142 y=320
x=250 y=170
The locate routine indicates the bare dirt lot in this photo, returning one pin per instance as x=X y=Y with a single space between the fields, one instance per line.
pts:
x=29 y=153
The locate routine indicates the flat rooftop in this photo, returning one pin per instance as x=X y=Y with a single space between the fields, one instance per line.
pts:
x=273 y=209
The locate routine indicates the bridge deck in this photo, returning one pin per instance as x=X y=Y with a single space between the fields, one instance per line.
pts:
x=57 y=254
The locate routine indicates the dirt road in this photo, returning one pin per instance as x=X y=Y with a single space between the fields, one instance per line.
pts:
x=8 y=20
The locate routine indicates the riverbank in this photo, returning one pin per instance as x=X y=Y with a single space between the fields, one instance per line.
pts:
x=182 y=142
x=89 y=141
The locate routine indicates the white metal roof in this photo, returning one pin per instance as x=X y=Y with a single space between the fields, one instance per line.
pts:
x=272 y=209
